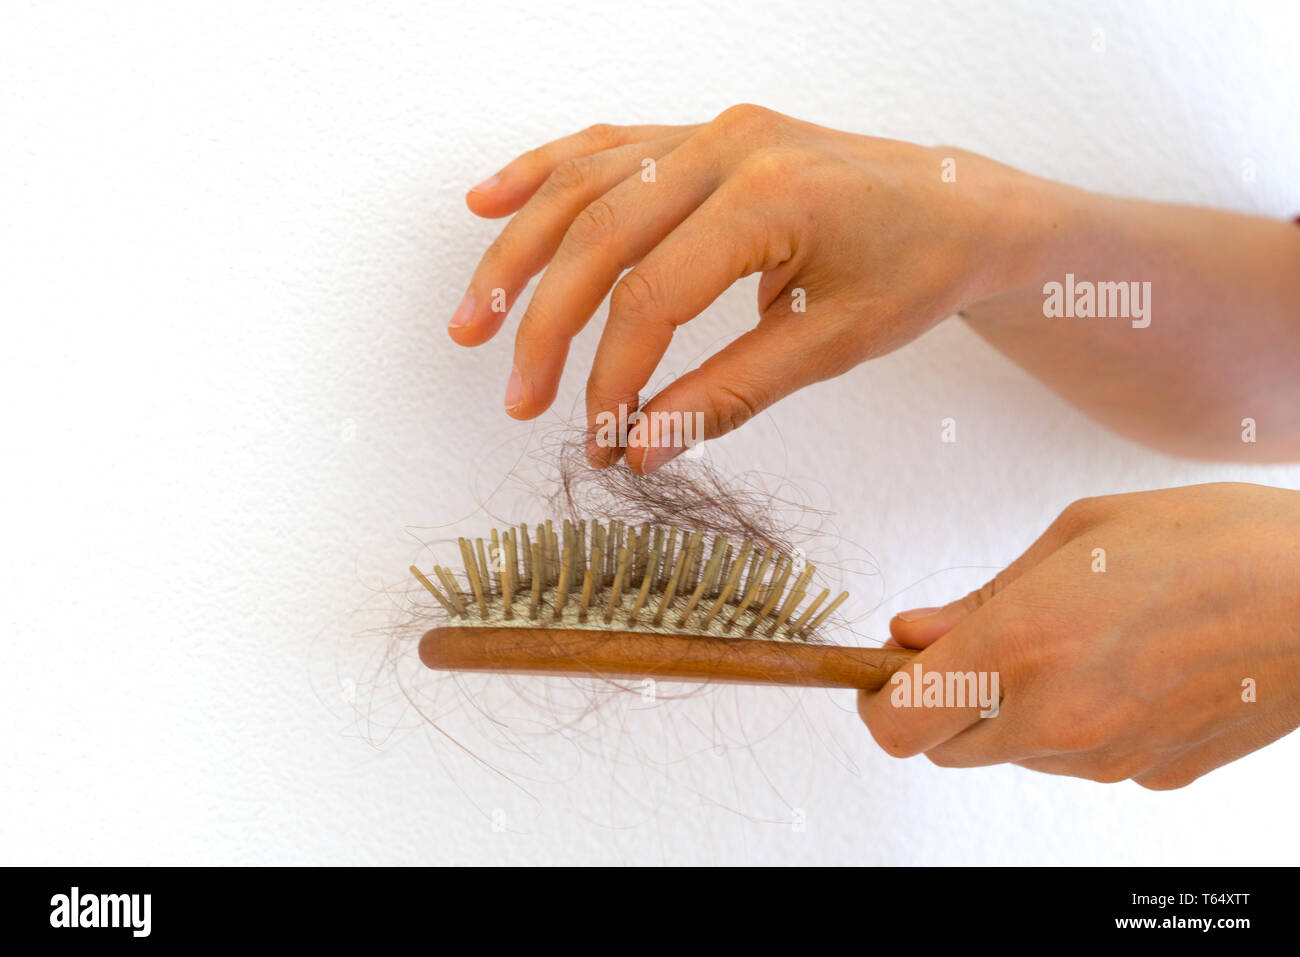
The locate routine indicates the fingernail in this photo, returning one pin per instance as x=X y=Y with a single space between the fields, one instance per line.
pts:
x=514 y=391
x=487 y=184
x=463 y=312
x=596 y=455
x=916 y=614
x=658 y=455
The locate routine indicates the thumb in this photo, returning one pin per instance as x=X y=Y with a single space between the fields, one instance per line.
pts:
x=921 y=627
x=756 y=370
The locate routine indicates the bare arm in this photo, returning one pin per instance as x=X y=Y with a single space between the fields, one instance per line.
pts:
x=1222 y=343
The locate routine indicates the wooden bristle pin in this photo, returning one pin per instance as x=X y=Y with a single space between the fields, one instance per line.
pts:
x=616 y=593
x=586 y=595
x=595 y=555
x=535 y=599
x=672 y=587
x=538 y=549
x=751 y=589
x=591 y=580
x=668 y=565
x=752 y=575
x=616 y=543
x=649 y=575
x=566 y=574
x=771 y=595
x=580 y=547
x=704 y=582
x=433 y=590
x=843 y=596
x=797 y=626
x=724 y=569
x=507 y=576
x=525 y=553
x=511 y=541
x=659 y=542
x=484 y=575
x=453 y=590
x=471 y=572
x=642 y=550
x=733 y=578
x=552 y=564
x=793 y=597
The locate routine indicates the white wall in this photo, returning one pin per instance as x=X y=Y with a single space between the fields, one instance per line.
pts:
x=230 y=238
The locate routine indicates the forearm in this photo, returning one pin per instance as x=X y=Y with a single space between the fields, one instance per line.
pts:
x=1219 y=341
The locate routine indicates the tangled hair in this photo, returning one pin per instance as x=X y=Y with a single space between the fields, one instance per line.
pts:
x=512 y=725
x=687 y=492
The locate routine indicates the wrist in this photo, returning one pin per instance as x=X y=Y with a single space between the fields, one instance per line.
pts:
x=1030 y=231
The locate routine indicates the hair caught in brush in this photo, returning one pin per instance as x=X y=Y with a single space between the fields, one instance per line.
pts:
x=687 y=492
x=731 y=555
x=505 y=723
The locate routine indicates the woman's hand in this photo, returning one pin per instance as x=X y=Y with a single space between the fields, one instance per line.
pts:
x=863 y=244
x=1153 y=636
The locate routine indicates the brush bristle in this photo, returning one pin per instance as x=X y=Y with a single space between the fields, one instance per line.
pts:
x=617 y=577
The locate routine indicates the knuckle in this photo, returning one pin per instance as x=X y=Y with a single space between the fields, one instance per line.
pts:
x=889 y=733
x=537 y=158
x=594 y=225
x=1080 y=515
x=601 y=135
x=984 y=594
x=1019 y=623
x=499 y=253
x=943 y=758
x=1166 y=779
x=772 y=167
x=1067 y=738
x=1104 y=775
x=1107 y=772
x=536 y=328
x=731 y=407
x=634 y=295
x=604 y=394
x=1114 y=770
x=744 y=119
x=571 y=176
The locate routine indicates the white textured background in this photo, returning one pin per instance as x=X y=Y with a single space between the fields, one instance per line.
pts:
x=230 y=238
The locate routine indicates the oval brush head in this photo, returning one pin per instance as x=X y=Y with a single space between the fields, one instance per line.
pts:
x=621 y=601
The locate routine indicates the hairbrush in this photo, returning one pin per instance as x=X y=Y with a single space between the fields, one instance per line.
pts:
x=622 y=601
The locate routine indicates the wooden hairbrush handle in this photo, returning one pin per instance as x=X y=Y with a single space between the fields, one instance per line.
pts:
x=631 y=655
